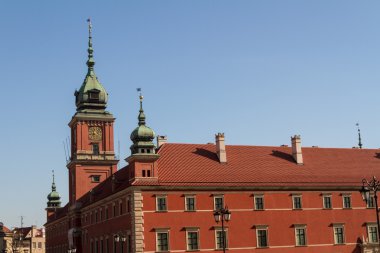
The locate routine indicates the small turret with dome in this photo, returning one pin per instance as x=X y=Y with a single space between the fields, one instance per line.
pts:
x=142 y=137
x=92 y=96
x=54 y=200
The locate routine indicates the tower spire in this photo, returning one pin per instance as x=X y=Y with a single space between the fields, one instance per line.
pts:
x=360 y=139
x=54 y=200
x=141 y=116
x=90 y=50
x=91 y=97
x=53 y=187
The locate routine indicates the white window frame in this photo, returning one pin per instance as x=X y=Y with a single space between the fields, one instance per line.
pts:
x=162 y=231
x=324 y=202
x=370 y=239
x=218 y=196
x=335 y=226
x=262 y=227
x=293 y=201
x=343 y=203
x=217 y=230
x=371 y=196
x=297 y=227
x=195 y=203
x=192 y=230
x=256 y=196
x=157 y=202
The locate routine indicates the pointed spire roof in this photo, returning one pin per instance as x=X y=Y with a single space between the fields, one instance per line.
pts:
x=92 y=96
x=54 y=200
x=142 y=136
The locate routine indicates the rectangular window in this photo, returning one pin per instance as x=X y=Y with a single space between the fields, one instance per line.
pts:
x=327 y=202
x=339 y=234
x=120 y=208
x=219 y=239
x=192 y=240
x=95 y=148
x=259 y=202
x=190 y=203
x=371 y=202
x=262 y=237
x=106 y=211
x=218 y=202
x=107 y=245
x=297 y=201
x=346 y=201
x=101 y=246
x=162 y=241
x=161 y=203
x=114 y=210
x=128 y=205
x=95 y=178
x=300 y=236
x=34 y=245
x=372 y=233
x=94 y=95
x=101 y=214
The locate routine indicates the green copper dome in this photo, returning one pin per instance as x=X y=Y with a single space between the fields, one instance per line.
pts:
x=142 y=133
x=54 y=200
x=142 y=136
x=91 y=96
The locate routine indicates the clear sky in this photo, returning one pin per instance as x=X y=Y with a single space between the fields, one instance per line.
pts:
x=259 y=71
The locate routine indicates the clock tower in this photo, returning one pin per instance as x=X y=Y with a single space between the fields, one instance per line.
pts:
x=92 y=157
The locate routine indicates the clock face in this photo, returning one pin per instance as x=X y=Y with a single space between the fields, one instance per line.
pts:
x=95 y=133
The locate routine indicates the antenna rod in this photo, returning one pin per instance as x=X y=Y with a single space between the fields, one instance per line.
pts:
x=64 y=148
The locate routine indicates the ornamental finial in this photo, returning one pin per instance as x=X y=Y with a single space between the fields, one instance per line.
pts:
x=141 y=116
x=53 y=188
x=90 y=50
x=360 y=139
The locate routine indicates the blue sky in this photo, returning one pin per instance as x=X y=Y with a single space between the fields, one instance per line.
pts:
x=259 y=71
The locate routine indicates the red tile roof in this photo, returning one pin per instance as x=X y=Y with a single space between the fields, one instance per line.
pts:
x=6 y=230
x=197 y=164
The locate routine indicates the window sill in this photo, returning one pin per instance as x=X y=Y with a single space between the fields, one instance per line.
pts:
x=301 y=245
x=262 y=247
x=325 y=208
x=339 y=244
x=161 y=211
x=347 y=208
x=190 y=211
x=297 y=209
x=259 y=210
x=192 y=250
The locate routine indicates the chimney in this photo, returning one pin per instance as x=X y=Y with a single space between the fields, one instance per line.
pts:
x=220 y=147
x=296 y=149
x=161 y=140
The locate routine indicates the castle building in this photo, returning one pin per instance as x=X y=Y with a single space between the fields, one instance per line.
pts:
x=280 y=198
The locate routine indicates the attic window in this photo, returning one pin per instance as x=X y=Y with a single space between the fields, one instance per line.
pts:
x=95 y=178
x=94 y=95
